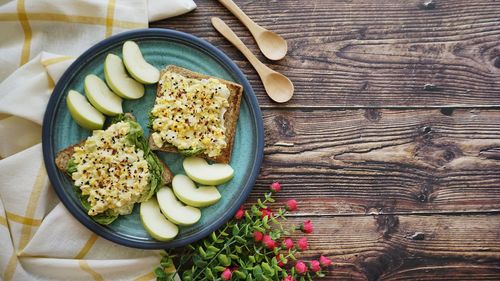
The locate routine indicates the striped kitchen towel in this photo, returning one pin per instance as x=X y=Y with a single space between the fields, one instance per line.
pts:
x=39 y=239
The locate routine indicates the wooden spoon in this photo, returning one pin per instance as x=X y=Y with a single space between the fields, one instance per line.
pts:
x=272 y=45
x=278 y=87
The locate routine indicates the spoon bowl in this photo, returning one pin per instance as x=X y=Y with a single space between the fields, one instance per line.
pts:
x=273 y=46
x=278 y=86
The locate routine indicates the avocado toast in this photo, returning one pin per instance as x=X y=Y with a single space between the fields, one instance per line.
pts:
x=113 y=169
x=195 y=114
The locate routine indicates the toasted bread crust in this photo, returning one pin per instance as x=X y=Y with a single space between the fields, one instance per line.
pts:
x=230 y=117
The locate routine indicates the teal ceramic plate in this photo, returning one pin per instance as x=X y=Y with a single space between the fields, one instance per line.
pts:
x=160 y=47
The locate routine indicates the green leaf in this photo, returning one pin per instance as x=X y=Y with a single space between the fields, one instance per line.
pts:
x=240 y=239
x=270 y=199
x=257 y=271
x=249 y=277
x=166 y=262
x=239 y=274
x=258 y=228
x=160 y=274
x=238 y=249
x=259 y=202
x=251 y=258
x=199 y=262
x=213 y=249
x=187 y=276
x=236 y=230
x=208 y=273
x=191 y=151
x=213 y=236
x=224 y=260
x=247 y=216
x=256 y=211
x=320 y=274
x=202 y=252
x=302 y=278
x=268 y=271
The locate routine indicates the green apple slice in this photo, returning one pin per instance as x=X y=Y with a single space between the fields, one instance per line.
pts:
x=185 y=189
x=139 y=68
x=155 y=222
x=201 y=172
x=118 y=79
x=83 y=112
x=101 y=97
x=174 y=210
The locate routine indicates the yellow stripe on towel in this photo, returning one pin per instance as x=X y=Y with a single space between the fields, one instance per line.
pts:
x=86 y=248
x=110 y=18
x=23 y=220
x=85 y=267
x=23 y=19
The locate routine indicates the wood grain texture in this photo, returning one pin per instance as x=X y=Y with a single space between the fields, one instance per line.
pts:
x=370 y=53
x=384 y=161
x=388 y=143
x=400 y=247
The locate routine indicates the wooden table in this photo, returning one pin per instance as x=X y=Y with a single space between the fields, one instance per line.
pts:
x=392 y=140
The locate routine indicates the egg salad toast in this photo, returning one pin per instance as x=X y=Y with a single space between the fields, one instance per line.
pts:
x=195 y=114
x=113 y=169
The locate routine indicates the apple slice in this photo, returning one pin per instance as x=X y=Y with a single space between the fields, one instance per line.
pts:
x=139 y=68
x=201 y=172
x=185 y=189
x=83 y=112
x=101 y=97
x=174 y=210
x=118 y=79
x=155 y=222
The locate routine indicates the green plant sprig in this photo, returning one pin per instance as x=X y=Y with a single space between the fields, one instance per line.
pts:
x=249 y=247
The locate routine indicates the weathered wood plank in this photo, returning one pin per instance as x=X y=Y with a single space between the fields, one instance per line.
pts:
x=384 y=161
x=389 y=247
x=371 y=53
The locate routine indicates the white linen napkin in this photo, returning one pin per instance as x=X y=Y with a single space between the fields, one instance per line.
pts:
x=39 y=239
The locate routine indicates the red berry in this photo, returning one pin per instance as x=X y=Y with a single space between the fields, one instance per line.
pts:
x=288 y=243
x=302 y=243
x=275 y=187
x=239 y=214
x=269 y=242
x=266 y=212
x=226 y=274
x=300 y=267
x=291 y=205
x=288 y=278
x=307 y=227
x=324 y=261
x=315 y=266
x=257 y=236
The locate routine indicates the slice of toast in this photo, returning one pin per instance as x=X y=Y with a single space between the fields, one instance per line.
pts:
x=230 y=116
x=65 y=155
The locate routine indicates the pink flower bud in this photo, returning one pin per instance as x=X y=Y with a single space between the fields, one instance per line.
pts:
x=288 y=242
x=239 y=214
x=324 y=261
x=269 y=242
x=266 y=212
x=275 y=187
x=257 y=236
x=315 y=266
x=302 y=243
x=288 y=278
x=291 y=205
x=307 y=227
x=226 y=274
x=300 y=267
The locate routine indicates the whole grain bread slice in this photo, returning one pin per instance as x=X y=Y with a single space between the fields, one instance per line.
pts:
x=230 y=116
x=66 y=154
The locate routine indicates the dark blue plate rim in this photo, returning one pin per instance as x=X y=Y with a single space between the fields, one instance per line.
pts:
x=58 y=93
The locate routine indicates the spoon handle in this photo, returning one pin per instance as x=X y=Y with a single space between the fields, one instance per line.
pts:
x=253 y=27
x=226 y=31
